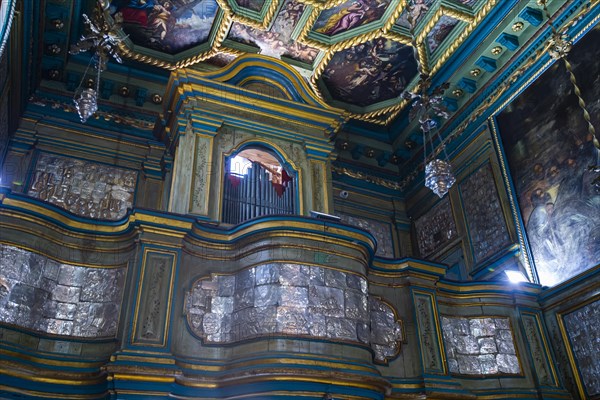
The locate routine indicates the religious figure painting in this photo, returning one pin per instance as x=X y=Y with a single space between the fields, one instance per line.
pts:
x=349 y=15
x=277 y=41
x=417 y=12
x=370 y=72
x=169 y=26
x=440 y=32
x=549 y=151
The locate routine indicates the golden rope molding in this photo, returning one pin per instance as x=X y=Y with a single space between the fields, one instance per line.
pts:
x=374 y=114
x=389 y=24
x=429 y=25
x=421 y=50
x=339 y=46
x=126 y=52
x=315 y=89
x=319 y=68
x=346 y=44
x=392 y=116
x=397 y=37
x=223 y=30
x=423 y=59
x=303 y=36
x=271 y=12
x=458 y=14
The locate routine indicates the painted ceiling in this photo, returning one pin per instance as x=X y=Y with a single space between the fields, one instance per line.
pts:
x=356 y=54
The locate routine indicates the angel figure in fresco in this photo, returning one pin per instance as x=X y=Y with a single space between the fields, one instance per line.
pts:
x=160 y=16
x=291 y=13
x=348 y=18
x=417 y=9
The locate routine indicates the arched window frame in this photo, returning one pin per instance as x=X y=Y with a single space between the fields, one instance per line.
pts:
x=289 y=166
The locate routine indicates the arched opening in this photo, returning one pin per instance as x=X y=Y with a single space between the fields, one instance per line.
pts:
x=257 y=183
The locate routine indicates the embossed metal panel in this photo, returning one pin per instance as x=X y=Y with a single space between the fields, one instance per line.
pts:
x=480 y=346
x=485 y=219
x=82 y=187
x=581 y=326
x=292 y=300
x=39 y=293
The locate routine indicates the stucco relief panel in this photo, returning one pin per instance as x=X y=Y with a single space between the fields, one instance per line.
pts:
x=539 y=355
x=154 y=297
x=202 y=171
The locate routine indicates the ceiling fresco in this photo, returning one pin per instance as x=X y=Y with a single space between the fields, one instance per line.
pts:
x=277 y=41
x=169 y=26
x=370 y=72
x=356 y=54
x=348 y=15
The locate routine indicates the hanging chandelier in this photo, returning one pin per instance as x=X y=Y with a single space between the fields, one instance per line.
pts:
x=427 y=107
x=104 y=42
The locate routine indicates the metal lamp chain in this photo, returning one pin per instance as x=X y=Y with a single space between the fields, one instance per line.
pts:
x=560 y=47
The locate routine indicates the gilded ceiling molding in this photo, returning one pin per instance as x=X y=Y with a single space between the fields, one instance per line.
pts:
x=345 y=44
x=367 y=178
x=107 y=116
x=226 y=15
x=439 y=13
x=396 y=37
x=385 y=32
x=303 y=36
x=369 y=116
x=394 y=17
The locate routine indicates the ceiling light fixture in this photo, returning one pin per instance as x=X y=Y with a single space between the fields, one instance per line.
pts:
x=104 y=42
x=428 y=108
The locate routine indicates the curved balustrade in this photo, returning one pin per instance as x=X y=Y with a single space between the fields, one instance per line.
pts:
x=272 y=307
